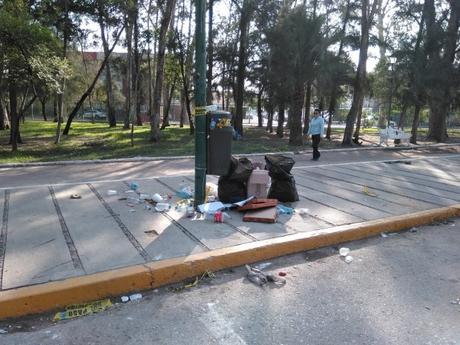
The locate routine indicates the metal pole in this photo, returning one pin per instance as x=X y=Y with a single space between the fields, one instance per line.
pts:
x=200 y=102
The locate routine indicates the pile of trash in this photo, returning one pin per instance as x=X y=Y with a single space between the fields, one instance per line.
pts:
x=247 y=187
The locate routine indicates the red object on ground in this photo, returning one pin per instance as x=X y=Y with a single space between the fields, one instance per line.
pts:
x=218 y=217
x=282 y=274
x=256 y=204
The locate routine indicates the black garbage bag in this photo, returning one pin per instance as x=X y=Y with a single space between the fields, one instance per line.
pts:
x=230 y=191
x=240 y=169
x=283 y=183
x=233 y=186
x=283 y=190
x=279 y=166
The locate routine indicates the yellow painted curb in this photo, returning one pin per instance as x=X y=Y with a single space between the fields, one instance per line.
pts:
x=56 y=295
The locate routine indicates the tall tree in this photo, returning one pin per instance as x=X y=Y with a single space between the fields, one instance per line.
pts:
x=166 y=15
x=367 y=17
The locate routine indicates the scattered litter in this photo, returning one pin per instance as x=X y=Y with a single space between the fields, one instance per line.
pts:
x=143 y=196
x=383 y=234
x=185 y=192
x=122 y=199
x=157 y=197
x=75 y=196
x=263 y=265
x=258 y=183
x=260 y=278
x=135 y=297
x=198 y=280
x=302 y=211
x=190 y=212
x=218 y=217
x=282 y=274
x=413 y=230
x=3 y=331
x=348 y=259
x=111 y=192
x=132 y=210
x=284 y=209
x=256 y=204
x=134 y=186
x=367 y=192
x=124 y=299
x=77 y=310
x=151 y=232
x=162 y=207
x=147 y=207
x=266 y=215
x=211 y=207
x=456 y=301
x=344 y=251
x=130 y=191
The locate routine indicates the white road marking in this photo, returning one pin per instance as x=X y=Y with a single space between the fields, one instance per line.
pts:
x=219 y=327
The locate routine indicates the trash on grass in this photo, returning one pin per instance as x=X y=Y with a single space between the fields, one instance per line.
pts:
x=162 y=207
x=75 y=196
x=111 y=192
x=77 y=310
x=260 y=278
x=344 y=251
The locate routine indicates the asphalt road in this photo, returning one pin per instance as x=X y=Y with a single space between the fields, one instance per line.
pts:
x=398 y=290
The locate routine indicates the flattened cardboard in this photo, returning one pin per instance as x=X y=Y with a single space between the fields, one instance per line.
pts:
x=266 y=215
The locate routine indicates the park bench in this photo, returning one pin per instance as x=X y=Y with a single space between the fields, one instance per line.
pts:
x=393 y=133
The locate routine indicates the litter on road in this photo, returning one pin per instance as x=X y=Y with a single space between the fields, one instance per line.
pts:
x=260 y=278
x=78 y=310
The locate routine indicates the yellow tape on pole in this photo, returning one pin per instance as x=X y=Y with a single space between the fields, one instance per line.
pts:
x=200 y=111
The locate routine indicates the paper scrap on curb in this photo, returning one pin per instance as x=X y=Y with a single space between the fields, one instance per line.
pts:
x=77 y=310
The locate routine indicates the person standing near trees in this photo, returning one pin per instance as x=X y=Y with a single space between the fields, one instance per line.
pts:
x=316 y=130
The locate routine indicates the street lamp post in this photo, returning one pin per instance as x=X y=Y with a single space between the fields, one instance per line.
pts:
x=200 y=102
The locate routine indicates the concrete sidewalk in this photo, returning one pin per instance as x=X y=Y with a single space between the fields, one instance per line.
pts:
x=46 y=236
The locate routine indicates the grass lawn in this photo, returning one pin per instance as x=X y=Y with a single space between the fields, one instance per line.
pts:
x=88 y=141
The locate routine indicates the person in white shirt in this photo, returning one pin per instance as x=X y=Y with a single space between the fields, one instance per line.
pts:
x=316 y=130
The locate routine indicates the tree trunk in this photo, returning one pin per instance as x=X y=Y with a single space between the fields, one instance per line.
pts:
x=210 y=53
x=358 y=92
x=402 y=117
x=260 y=120
x=108 y=75
x=306 y=120
x=415 y=123
x=2 y=115
x=168 y=105
x=331 y=111
x=43 y=104
x=182 y=110
x=295 y=116
x=245 y=19
x=440 y=89
x=60 y=95
x=137 y=67
x=129 y=73
x=165 y=22
x=13 y=115
x=91 y=87
x=55 y=109
x=280 y=128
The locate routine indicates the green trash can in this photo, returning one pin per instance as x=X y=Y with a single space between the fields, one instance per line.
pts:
x=219 y=142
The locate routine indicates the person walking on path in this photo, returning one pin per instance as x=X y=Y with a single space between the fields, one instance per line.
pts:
x=316 y=130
